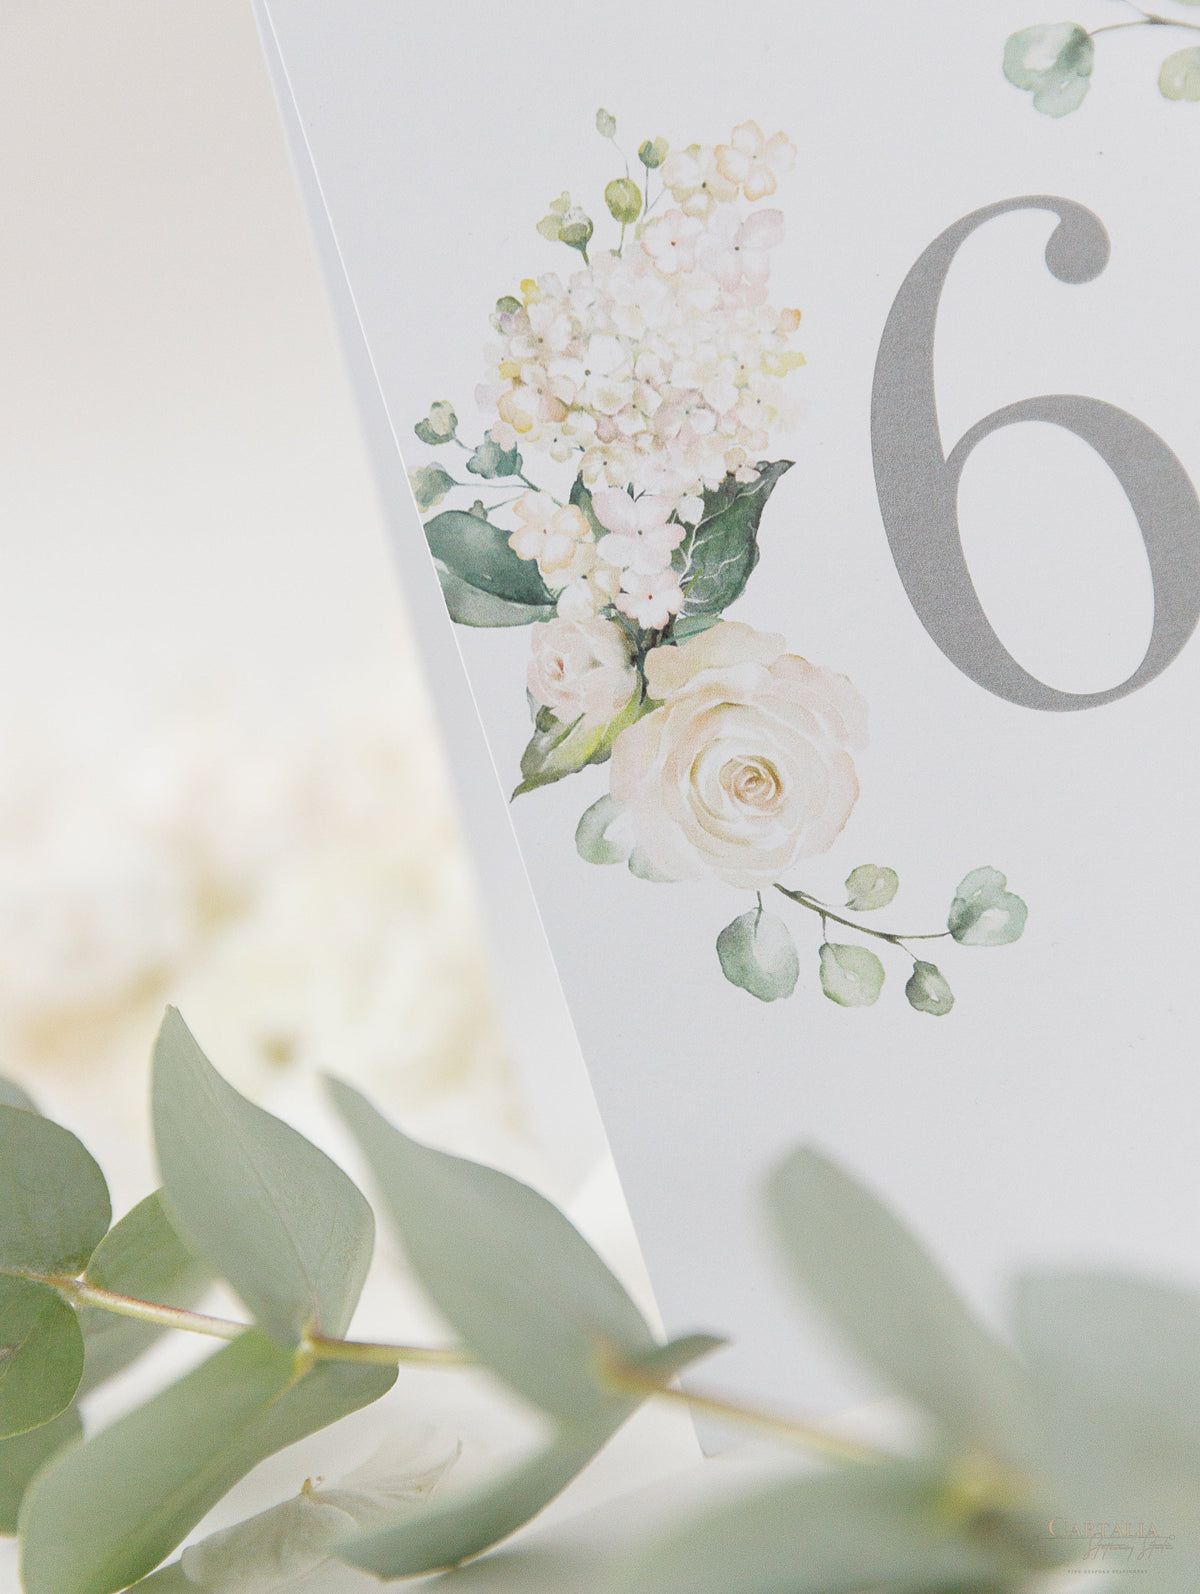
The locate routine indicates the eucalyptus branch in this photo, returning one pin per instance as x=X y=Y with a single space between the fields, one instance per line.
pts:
x=624 y=1378
x=316 y=1347
x=893 y=937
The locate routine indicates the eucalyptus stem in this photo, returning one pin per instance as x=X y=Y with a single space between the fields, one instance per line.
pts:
x=894 y=938
x=626 y=1379
x=618 y=1375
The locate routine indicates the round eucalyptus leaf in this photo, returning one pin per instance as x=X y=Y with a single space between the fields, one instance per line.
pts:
x=928 y=991
x=1053 y=61
x=851 y=976
x=1179 y=76
x=983 y=913
x=606 y=123
x=600 y=836
x=757 y=952
x=54 y=1206
x=870 y=886
x=41 y=1355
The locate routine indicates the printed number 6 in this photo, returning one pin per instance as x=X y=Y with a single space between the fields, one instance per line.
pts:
x=918 y=484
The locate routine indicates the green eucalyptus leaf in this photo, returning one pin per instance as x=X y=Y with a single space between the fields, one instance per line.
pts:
x=23 y=1456
x=490 y=460
x=600 y=836
x=468 y=605
x=720 y=553
x=880 y=1288
x=758 y=953
x=871 y=886
x=1179 y=76
x=11 y=1095
x=652 y=153
x=555 y=750
x=106 y=1512
x=41 y=1355
x=430 y=484
x=439 y=426
x=606 y=124
x=851 y=976
x=142 y=1257
x=1053 y=61
x=478 y=553
x=983 y=913
x=892 y=1525
x=504 y=1267
x=54 y=1206
x=444 y=1534
x=256 y=1200
x=1115 y=1409
x=928 y=990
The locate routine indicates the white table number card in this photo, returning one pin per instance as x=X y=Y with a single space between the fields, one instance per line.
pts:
x=800 y=410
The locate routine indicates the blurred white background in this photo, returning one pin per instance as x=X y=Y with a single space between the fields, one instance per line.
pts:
x=218 y=781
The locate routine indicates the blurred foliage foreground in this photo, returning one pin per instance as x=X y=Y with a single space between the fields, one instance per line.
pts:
x=1077 y=1447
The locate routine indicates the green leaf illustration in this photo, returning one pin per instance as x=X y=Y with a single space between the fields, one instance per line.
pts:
x=871 y=886
x=41 y=1355
x=983 y=913
x=652 y=153
x=851 y=976
x=478 y=553
x=143 y=1257
x=106 y=1512
x=598 y=835
x=757 y=952
x=718 y=556
x=430 y=484
x=504 y=1267
x=468 y=605
x=928 y=991
x=1054 y=62
x=490 y=460
x=255 y=1199
x=606 y=124
x=885 y=1526
x=1179 y=76
x=25 y=1454
x=888 y=1298
x=624 y=200
x=555 y=749
x=54 y=1207
x=439 y=426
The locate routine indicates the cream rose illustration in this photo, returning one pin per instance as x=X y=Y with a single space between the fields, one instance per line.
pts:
x=746 y=767
x=581 y=670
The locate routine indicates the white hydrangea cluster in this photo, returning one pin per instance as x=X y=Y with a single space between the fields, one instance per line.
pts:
x=658 y=368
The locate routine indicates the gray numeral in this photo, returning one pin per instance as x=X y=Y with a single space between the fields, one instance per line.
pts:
x=918 y=483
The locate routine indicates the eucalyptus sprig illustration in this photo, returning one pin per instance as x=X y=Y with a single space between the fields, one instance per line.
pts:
x=1054 y=61
x=758 y=953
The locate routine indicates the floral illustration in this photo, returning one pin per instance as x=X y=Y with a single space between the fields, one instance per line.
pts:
x=1053 y=60
x=650 y=381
